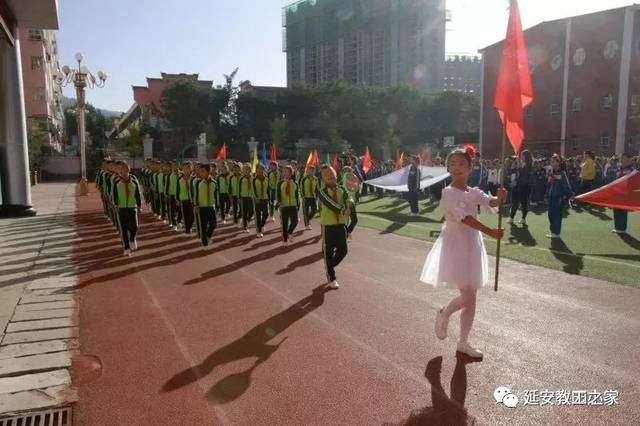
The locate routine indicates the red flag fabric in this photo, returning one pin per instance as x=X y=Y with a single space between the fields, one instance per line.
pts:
x=222 y=154
x=514 y=91
x=316 y=159
x=623 y=194
x=273 y=155
x=366 y=161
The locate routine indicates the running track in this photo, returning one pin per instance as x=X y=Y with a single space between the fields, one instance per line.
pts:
x=244 y=334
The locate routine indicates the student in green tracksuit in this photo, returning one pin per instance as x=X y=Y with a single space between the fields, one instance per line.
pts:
x=224 y=202
x=334 y=214
x=153 y=185
x=205 y=191
x=245 y=185
x=126 y=198
x=175 y=213
x=261 y=194
x=184 y=197
x=309 y=188
x=353 y=217
x=161 y=183
x=288 y=202
x=234 y=190
x=193 y=180
x=274 y=178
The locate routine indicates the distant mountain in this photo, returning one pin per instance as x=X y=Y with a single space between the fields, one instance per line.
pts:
x=71 y=103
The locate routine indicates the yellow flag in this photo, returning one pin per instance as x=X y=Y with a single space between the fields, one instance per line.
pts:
x=254 y=163
x=310 y=158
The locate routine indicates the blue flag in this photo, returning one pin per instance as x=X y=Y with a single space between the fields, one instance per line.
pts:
x=264 y=156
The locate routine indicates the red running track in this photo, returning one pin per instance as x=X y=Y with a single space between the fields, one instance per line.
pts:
x=245 y=334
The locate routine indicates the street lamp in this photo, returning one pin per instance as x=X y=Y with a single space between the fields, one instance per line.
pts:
x=81 y=78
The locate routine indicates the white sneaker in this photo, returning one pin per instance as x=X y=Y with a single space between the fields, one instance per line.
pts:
x=618 y=231
x=552 y=236
x=273 y=219
x=349 y=237
x=442 y=323
x=333 y=285
x=224 y=222
x=285 y=243
x=308 y=227
x=165 y=221
x=175 y=228
x=467 y=349
x=291 y=241
x=127 y=253
x=134 y=245
x=246 y=231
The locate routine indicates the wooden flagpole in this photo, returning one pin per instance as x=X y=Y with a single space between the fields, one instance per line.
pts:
x=502 y=176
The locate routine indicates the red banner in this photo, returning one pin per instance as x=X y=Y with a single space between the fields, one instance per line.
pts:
x=623 y=194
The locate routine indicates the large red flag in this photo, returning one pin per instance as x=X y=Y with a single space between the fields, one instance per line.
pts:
x=366 y=161
x=514 y=91
x=623 y=194
x=222 y=154
x=273 y=155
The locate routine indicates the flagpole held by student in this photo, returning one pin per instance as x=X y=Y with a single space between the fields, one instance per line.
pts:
x=458 y=259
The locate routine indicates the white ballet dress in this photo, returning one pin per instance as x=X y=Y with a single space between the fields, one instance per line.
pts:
x=458 y=259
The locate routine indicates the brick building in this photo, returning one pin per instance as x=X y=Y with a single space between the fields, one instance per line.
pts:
x=586 y=79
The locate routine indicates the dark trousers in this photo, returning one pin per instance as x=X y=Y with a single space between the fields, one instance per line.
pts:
x=310 y=209
x=235 y=208
x=412 y=198
x=586 y=186
x=163 y=206
x=155 y=203
x=555 y=215
x=262 y=213
x=206 y=223
x=196 y=219
x=128 y=220
x=175 y=214
x=334 y=248
x=187 y=214
x=225 y=205
x=272 y=202
x=620 y=219
x=520 y=198
x=289 y=221
x=246 y=205
x=353 y=220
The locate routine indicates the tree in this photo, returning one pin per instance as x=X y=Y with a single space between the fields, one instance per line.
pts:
x=279 y=133
x=132 y=142
x=36 y=139
x=185 y=108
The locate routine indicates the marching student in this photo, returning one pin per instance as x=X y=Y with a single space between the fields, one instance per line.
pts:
x=112 y=177
x=413 y=184
x=184 y=197
x=126 y=198
x=458 y=259
x=205 y=191
x=309 y=187
x=155 y=194
x=246 y=196
x=334 y=213
x=558 y=194
x=274 y=178
x=175 y=213
x=224 y=201
x=288 y=202
x=161 y=183
x=234 y=189
x=146 y=182
x=193 y=195
x=262 y=194
x=620 y=216
x=353 y=215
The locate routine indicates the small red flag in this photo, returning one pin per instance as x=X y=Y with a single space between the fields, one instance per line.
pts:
x=623 y=194
x=514 y=91
x=273 y=154
x=316 y=159
x=366 y=161
x=222 y=154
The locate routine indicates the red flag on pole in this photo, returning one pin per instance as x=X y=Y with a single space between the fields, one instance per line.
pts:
x=623 y=194
x=222 y=154
x=316 y=159
x=366 y=161
x=514 y=91
x=273 y=154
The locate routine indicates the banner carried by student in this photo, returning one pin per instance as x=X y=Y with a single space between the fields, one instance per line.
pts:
x=623 y=194
x=397 y=180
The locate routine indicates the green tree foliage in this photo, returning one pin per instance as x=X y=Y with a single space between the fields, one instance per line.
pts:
x=36 y=140
x=132 y=142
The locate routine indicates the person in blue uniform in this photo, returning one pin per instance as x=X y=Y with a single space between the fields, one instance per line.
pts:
x=413 y=185
x=558 y=193
x=620 y=217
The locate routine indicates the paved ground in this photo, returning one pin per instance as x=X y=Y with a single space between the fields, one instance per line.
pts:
x=37 y=311
x=244 y=334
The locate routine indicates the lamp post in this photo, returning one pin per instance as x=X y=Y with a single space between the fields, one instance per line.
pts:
x=81 y=78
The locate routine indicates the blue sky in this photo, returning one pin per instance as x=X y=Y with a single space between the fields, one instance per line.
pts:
x=135 y=39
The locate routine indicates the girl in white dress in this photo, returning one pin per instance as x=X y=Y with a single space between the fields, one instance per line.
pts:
x=458 y=258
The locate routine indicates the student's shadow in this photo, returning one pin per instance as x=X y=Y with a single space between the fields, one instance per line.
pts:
x=253 y=344
x=573 y=263
x=522 y=235
x=445 y=410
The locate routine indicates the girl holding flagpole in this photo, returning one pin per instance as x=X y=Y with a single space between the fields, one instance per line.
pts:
x=458 y=259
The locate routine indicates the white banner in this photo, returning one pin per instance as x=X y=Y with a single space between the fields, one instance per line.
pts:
x=397 y=181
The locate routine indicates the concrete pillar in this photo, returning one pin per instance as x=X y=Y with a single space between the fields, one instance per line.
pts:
x=14 y=162
x=201 y=142
x=253 y=146
x=147 y=143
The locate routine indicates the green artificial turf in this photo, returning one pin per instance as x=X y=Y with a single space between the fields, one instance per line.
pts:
x=587 y=246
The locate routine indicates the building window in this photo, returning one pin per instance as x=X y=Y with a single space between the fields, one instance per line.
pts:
x=35 y=34
x=36 y=62
x=579 y=57
x=555 y=109
x=39 y=94
x=576 y=105
x=604 y=140
x=607 y=101
x=573 y=140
